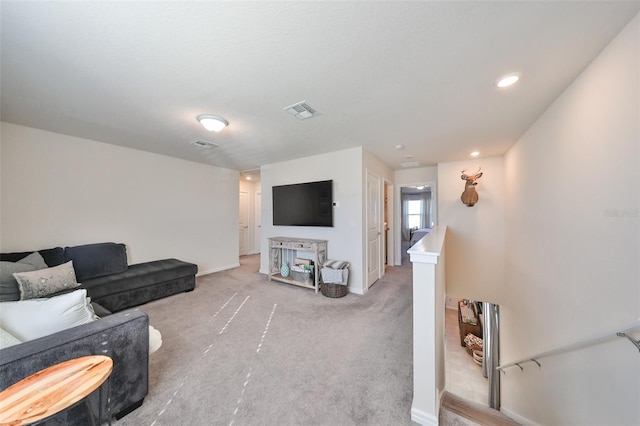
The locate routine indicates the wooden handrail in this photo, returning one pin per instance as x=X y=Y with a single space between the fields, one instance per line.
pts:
x=618 y=331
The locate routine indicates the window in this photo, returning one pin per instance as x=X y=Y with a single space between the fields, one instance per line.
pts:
x=415 y=213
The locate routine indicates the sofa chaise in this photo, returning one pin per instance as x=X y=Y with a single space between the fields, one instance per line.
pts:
x=103 y=270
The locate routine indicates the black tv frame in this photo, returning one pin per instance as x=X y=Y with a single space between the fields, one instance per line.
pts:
x=303 y=204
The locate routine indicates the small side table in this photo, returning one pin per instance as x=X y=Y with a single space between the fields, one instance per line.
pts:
x=55 y=389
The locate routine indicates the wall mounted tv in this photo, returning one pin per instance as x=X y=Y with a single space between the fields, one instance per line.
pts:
x=303 y=204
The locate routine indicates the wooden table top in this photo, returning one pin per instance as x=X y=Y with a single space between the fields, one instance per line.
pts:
x=53 y=389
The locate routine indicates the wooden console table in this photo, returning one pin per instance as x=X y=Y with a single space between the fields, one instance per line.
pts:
x=54 y=389
x=286 y=249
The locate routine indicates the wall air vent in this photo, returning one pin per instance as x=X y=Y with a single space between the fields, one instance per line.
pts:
x=301 y=110
x=204 y=144
x=410 y=164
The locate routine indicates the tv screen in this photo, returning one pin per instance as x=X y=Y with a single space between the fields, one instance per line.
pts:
x=303 y=204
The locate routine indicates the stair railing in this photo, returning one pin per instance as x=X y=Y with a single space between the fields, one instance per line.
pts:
x=618 y=331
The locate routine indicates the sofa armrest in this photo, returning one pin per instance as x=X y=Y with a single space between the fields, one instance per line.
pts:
x=123 y=336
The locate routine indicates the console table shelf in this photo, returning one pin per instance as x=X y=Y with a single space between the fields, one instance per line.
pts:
x=287 y=249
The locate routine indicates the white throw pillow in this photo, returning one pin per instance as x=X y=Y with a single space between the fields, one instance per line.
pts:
x=34 y=318
x=155 y=340
x=44 y=282
x=7 y=339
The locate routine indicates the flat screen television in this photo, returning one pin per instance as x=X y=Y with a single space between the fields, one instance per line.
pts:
x=303 y=204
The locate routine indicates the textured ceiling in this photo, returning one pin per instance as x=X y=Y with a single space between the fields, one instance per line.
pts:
x=380 y=73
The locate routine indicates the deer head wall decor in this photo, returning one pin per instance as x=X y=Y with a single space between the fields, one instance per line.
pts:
x=470 y=196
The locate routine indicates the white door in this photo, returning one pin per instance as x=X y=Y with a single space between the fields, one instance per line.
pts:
x=374 y=231
x=258 y=221
x=243 y=221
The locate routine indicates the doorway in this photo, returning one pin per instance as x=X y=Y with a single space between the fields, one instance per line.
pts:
x=416 y=208
x=243 y=222
x=374 y=228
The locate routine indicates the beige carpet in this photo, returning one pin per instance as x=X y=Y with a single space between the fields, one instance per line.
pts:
x=240 y=350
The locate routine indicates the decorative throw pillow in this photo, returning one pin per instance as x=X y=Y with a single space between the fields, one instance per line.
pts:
x=8 y=285
x=31 y=319
x=46 y=281
x=7 y=339
x=155 y=340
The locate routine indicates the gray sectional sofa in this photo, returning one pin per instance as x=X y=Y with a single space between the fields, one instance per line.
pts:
x=110 y=281
x=123 y=334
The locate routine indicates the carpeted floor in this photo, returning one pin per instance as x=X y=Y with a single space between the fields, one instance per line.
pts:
x=240 y=350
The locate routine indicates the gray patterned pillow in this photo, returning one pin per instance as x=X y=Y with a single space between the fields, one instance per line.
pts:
x=8 y=285
x=46 y=281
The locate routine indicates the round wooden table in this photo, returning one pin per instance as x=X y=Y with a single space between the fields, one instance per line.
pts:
x=54 y=389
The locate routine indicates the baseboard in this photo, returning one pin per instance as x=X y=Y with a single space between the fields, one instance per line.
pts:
x=522 y=420
x=423 y=418
x=222 y=268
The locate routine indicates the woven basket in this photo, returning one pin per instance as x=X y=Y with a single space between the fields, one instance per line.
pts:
x=334 y=290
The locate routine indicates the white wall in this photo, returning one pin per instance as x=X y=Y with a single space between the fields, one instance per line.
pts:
x=572 y=239
x=345 y=238
x=475 y=235
x=59 y=190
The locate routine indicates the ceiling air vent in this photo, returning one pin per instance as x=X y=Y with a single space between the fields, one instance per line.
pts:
x=204 y=144
x=410 y=164
x=301 y=110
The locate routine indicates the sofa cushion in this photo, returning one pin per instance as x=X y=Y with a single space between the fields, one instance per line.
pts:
x=34 y=318
x=97 y=260
x=44 y=282
x=52 y=257
x=9 y=290
x=139 y=276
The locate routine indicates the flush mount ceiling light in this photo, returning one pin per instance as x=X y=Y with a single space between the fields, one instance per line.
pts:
x=474 y=154
x=508 y=79
x=301 y=110
x=212 y=123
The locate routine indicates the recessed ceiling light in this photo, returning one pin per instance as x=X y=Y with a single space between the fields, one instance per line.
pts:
x=508 y=79
x=475 y=154
x=408 y=156
x=212 y=123
x=399 y=146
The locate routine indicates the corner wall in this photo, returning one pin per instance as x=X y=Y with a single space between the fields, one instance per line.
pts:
x=475 y=235
x=573 y=244
x=59 y=190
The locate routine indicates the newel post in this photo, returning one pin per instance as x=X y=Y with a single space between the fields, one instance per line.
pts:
x=428 y=261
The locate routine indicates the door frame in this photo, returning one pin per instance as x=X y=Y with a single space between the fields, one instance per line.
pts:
x=398 y=213
x=379 y=226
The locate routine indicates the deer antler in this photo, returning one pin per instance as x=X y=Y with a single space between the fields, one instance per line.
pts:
x=473 y=174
